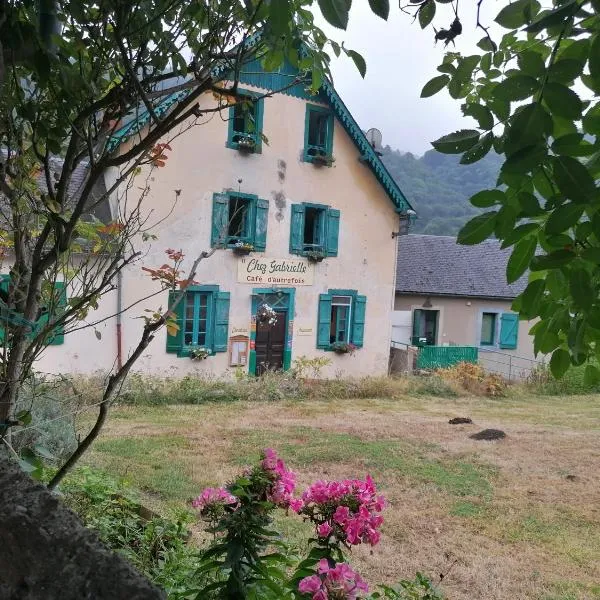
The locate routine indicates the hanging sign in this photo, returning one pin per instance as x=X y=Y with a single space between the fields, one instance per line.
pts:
x=275 y=271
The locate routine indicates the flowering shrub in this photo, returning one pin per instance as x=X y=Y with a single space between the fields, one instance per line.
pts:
x=200 y=353
x=266 y=314
x=345 y=513
x=339 y=581
x=243 y=247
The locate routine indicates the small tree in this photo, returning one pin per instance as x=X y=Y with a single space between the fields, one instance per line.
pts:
x=534 y=94
x=72 y=73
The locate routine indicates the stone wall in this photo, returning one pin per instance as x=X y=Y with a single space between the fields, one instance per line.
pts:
x=47 y=554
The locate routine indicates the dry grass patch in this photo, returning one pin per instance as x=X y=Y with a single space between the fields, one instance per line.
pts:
x=517 y=518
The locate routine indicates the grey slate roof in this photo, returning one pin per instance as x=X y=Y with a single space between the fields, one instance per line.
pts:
x=438 y=266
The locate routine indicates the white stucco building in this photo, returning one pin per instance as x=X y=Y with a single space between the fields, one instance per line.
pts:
x=314 y=208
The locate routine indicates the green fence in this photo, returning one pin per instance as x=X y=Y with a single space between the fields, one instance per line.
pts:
x=439 y=357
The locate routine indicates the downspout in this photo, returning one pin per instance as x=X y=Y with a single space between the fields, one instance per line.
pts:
x=119 y=320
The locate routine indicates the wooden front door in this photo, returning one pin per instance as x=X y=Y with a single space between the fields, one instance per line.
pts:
x=270 y=344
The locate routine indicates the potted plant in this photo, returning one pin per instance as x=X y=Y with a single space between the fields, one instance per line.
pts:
x=246 y=143
x=266 y=314
x=343 y=347
x=200 y=353
x=315 y=255
x=242 y=248
x=322 y=158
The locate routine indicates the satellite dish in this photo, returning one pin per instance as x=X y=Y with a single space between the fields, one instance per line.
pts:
x=374 y=136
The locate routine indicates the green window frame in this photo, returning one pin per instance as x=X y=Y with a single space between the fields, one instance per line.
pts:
x=239 y=217
x=487 y=336
x=57 y=304
x=202 y=318
x=318 y=132
x=245 y=122
x=339 y=320
x=314 y=227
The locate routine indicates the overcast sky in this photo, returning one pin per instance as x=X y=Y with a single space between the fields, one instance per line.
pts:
x=401 y=58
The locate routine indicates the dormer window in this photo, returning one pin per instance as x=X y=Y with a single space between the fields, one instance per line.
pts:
x=318 y=135
x=245 y=124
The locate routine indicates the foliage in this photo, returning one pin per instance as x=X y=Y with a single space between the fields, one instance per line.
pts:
x=420 y=588
x=303 y=365
x=343 y=347
x=545 y=206
x=439 y=187
x=574 y=382
x=474 y=379
x=157 y=546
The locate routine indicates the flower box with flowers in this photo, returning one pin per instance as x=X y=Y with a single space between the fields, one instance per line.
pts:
x=343 y=347
x=315 y=255
x=246 y=143
x=322 y=158
x=200 y=353
x=242 y=248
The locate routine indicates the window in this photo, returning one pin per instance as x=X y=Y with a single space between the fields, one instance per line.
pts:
x=318 y=134
x=425 y=325
x=505 y=336
x=488 y=329
x=239 y=217
x=245 y=124
x=51 y=306
x=341 y=318
x=202 y=317
x=314 y=227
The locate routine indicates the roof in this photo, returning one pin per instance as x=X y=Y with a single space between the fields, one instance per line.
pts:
x=252 y=73
x=438 y=266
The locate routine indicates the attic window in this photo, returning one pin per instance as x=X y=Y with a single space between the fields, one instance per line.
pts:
x=318 y=135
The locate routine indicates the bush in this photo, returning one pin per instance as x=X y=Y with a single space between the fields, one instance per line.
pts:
x=541 y=381
x=474 y=379
x=156 y=546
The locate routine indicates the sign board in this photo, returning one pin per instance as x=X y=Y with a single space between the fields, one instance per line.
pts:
x=304 y=331
x=275 y=271
x=240 y=330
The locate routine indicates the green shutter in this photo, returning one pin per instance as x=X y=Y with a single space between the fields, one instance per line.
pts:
x=175 y=342
x=324 y=324
x=262 y=220
x=297 y=229
x=221 y=321
x=509 y=330
x=333 y=231
x=358 y=320
x=416 y=330
x=220 y=220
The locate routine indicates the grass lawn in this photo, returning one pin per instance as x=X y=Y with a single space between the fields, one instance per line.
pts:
x=517 y=518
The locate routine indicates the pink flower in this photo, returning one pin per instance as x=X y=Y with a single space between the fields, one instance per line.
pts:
x=213 y=496
x=296 y=504
x=284 y=481
x=338 y=581
x=310 y=585
x=324 y=529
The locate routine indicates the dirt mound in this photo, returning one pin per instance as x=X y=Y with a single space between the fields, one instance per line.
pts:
x=488 y=434
x=460 y=420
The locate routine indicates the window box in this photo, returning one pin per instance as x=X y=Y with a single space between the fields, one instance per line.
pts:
x=315 y=256
x=321 y=159
x=246 y=144
x=343 y=348
x=242 y=248
x=200 y=353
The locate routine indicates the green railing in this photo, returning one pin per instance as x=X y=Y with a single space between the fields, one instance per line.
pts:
x=440 y=357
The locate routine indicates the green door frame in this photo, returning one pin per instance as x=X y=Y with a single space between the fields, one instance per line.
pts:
x=290 y=296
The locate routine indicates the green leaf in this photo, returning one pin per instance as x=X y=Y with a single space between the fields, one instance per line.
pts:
x=487 y=198
x=477 y=229
x=558 y=258
x=530 y=206
x=554 y=17
x=531 y=298
x=44 y=452
x=487 y=45
x=520 y=258
x=594 y=61
x=560 y=362
x=531 y=63
x=381 y=8
x=573 y=179
x=580 y=287
x=336 y=12
x=562 y=101
x=359 y=61
x=478 y=151
x=279 y=15
x=591 y=120
x=528 y=127
x=516 y=87
x=426 y=13
x=513 y=15
x=525 y=160
x=480 y=113
x=24 y=417
x=572 y=144
x=433 y=86
x=466 y=66
x=591 y=375
x=563 y=217
x=457 y=142
x=565 y=70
